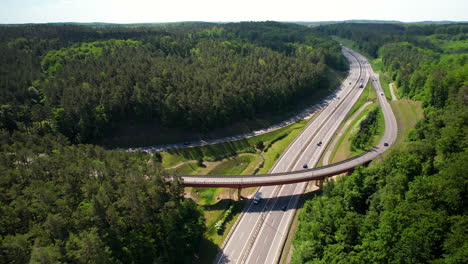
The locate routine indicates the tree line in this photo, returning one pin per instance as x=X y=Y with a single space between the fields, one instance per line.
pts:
x=63 y=203
x=64 y=84
x=411 y=207
x=82 y=81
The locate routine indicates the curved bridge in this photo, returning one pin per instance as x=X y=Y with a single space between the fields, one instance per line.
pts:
x=242 y=181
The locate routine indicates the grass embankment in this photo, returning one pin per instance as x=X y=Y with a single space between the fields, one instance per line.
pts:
x=190 y=167
x=407 y=113
x=243 y=164
x=367 y=95
x=237 y=157
x=216 y=201
x=342 y=149
x=228 y=149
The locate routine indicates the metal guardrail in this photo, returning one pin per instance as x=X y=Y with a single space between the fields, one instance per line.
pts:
x=278 y=178
x=277 y=174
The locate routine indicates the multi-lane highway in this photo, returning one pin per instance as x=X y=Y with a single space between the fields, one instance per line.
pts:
x=304 y=148
x=262 y=228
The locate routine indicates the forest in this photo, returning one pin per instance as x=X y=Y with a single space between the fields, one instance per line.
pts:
x=62 y=86
x=62 y=203
x=83 y=81
x=411 y=206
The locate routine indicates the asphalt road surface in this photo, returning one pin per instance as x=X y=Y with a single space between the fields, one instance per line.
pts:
x=262 y=228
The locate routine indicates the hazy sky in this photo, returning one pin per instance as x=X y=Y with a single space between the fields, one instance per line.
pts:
x=136 y=11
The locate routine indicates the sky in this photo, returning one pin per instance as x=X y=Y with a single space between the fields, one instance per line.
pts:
x=144 y=11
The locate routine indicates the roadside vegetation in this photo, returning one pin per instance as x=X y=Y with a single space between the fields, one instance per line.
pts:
x=63 y=203
x=368 y=127
x=215 y=201
x=344 y=148
x=64 y=85
x=410 y=207
x=86 y=82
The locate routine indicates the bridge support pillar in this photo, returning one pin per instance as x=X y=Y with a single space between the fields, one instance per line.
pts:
x=320 y=183
x=239 y=189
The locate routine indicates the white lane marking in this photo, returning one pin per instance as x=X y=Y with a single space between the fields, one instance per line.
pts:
x=259 y=216
x=243 y=218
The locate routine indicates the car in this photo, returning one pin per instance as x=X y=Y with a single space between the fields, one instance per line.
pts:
x=284 y=207
x=349 y=83
x=319 y=144
x=361 y=85
x=339 y=97
x=305 y=166
x=385 y=144
x=381 y=94
x=257 y=198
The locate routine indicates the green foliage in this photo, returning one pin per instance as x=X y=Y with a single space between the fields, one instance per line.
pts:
x=367 y=128
x=409 y=208
x=226 y=217
x=82 y=204
x=260 y=146
x=195 y=76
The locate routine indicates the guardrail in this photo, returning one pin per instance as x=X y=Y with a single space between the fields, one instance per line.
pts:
x=276 y=174
x=241 y=181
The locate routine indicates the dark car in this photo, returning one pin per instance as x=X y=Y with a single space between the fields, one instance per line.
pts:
x=305 y=166
x=319 y=144
x=385 y=144
x=284 y=207
x=381 y=94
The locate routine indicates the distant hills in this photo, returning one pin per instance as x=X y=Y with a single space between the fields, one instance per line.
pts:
x=358 y=21
x=306 y=23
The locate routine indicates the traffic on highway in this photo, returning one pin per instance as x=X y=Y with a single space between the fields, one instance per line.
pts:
x=263 y=226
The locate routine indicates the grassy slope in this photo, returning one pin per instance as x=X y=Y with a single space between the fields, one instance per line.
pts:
x=223 y=150
x=367 y=95
x=245 y=163
x=343 y=150
x=188 y=168
x=276 y=143
x=407 y=113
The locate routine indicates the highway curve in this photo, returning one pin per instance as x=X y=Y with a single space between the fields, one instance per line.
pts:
x=260 y=231
x=285 y=176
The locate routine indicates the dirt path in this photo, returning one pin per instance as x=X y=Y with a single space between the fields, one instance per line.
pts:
x=180 y=164
x=392 y=91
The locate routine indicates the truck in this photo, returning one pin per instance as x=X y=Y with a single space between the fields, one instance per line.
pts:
x=257 y=198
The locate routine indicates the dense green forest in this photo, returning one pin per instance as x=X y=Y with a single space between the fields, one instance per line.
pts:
x=62 y=203
x=82 y=81
x=410 y=207
x=65 y=84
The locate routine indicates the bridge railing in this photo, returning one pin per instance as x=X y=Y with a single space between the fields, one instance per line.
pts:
x=305 y=171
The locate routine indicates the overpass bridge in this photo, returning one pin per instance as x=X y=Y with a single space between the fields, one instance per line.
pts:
x=242 y=181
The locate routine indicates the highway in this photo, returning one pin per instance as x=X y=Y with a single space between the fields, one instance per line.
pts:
x=281 y=174
x=262 y=228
